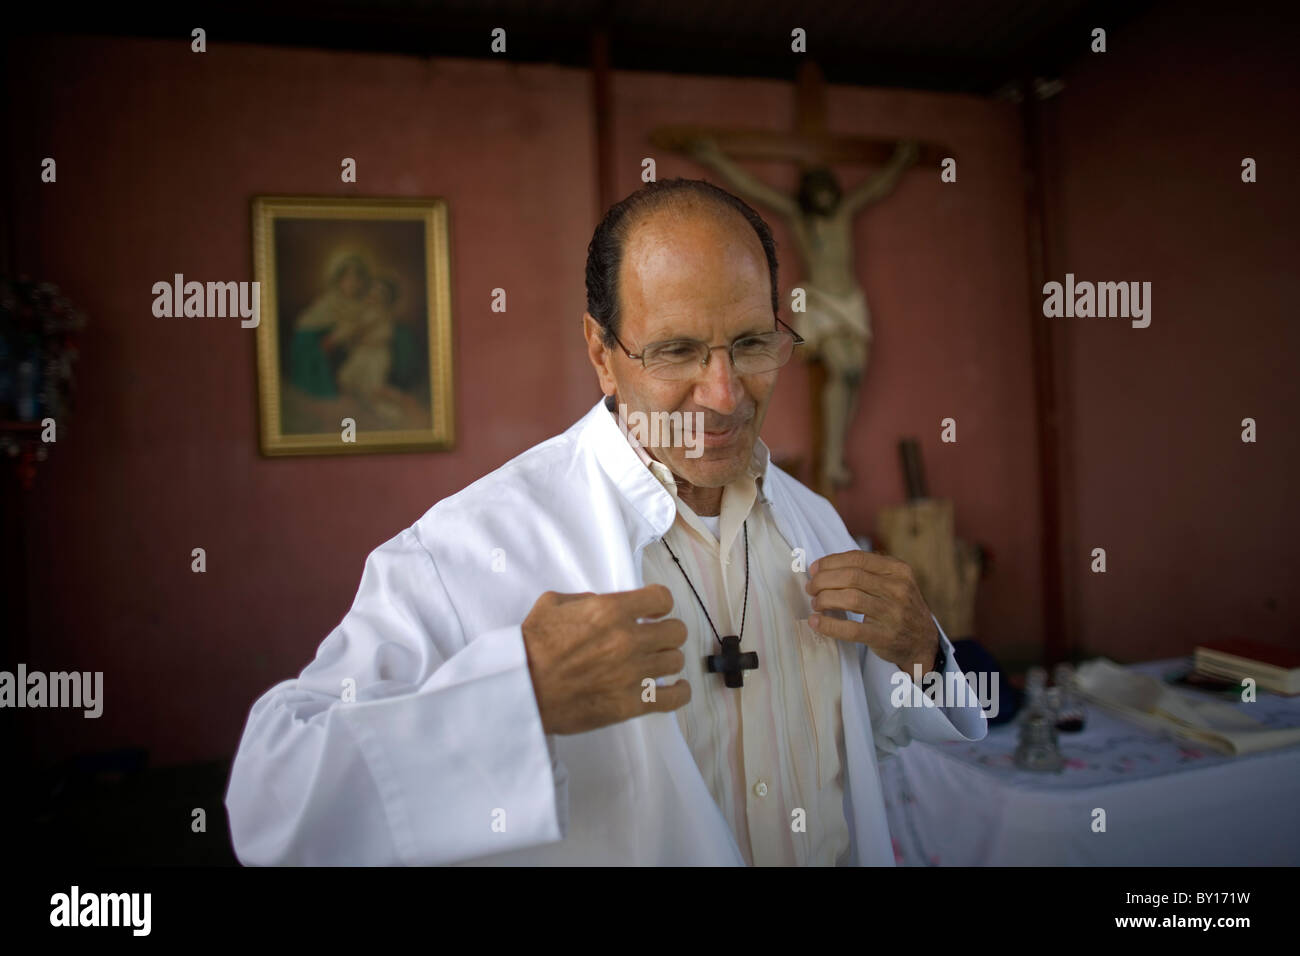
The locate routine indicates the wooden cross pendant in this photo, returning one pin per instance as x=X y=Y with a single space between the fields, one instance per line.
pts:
x=732 y=662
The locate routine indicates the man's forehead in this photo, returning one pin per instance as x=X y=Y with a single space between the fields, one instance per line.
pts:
x=675 y=284
x=670 y=247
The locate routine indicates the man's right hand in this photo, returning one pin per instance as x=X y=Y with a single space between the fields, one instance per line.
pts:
x=589 y=656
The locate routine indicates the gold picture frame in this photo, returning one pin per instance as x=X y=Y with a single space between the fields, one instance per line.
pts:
x=355 y=325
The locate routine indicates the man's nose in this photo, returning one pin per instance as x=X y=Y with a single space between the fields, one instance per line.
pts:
x=719 y=387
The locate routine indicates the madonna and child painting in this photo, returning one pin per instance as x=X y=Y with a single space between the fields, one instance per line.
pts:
x=354 y=343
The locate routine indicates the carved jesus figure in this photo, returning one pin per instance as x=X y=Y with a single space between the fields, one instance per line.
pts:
x=836 y=323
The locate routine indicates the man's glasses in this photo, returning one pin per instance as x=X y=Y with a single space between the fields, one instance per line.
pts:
x=679 y=359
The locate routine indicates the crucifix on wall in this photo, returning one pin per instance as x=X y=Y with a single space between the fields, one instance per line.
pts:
x=835 y=323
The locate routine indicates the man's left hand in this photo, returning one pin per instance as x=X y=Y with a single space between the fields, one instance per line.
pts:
x=896 y=622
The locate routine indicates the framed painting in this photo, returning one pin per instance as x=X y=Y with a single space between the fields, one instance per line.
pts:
x=354 y=342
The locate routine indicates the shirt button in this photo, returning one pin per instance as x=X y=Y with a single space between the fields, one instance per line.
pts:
x=760 y=788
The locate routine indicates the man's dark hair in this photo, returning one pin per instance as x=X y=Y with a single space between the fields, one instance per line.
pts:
x=605 y=252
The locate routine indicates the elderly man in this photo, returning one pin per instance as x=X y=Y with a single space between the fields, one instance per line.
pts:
x=608 y=651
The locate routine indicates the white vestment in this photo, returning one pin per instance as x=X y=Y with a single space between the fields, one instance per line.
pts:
x=414 y=736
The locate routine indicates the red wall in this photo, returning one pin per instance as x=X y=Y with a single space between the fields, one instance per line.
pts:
x=1200 y=529
x=159 y=150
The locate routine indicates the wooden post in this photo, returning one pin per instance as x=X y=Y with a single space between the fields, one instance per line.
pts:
x=1050 y=428
x=922 y=534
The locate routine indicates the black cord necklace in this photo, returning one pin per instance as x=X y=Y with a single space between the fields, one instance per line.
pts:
x=731 y=663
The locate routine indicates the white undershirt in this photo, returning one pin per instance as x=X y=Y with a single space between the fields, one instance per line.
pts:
x=712 y=523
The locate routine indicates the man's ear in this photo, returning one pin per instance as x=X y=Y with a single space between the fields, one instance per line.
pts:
x=599 y=355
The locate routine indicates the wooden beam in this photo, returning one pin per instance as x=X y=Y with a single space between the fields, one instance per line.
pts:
x=806 y=150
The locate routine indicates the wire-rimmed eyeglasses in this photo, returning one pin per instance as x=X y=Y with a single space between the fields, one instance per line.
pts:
x=751 y=354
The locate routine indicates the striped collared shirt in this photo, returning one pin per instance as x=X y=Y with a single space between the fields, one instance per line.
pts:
x=771 y=752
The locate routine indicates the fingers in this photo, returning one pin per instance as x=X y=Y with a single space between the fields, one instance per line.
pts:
x=872 y=607
x=852 y=579
x=839 y=629
x=653 y=600
x=870 y=573
x=560 y=597
x=670 y=697
x=665 y=663
x=871 y=561
x=661 y=635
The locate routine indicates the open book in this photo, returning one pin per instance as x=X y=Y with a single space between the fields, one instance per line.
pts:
x=1150 y=703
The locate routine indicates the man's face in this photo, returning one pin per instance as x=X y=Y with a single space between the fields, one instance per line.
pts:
x=702 y=276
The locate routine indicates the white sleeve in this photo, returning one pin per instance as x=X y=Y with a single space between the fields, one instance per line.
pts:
x=440 y=757
x=896 y=725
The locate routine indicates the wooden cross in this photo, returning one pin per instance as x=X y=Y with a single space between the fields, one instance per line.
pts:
x=732 y=662
x=809 y=143
x=811 y=146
